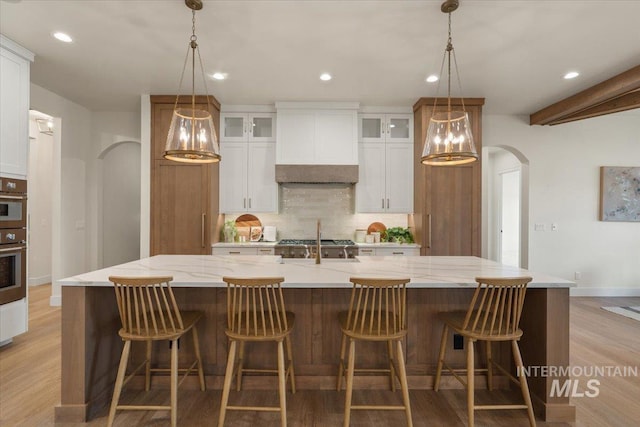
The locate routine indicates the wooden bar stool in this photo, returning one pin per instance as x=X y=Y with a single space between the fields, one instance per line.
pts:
x=256 y=312
x=493 y=315
x=377 y=312
x=149 y=312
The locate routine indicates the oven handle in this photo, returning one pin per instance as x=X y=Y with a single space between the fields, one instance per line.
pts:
x=14 y=249
x=6 y=196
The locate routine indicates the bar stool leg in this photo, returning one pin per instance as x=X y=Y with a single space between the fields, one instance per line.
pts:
x=403 y=383
x=282 y=385
x=290 y=371
x=196 y=348
x=392 y=372
x=470 y=381
x=523 y=382
x=350 y=369
x=174 y=383
x=489 y=366
x=443 y=348
x=227 y=382
x=240 y=366
x=119 y=380
x=341 y=372
x=147 y=376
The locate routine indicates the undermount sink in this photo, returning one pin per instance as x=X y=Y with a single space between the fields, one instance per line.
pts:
x=313 y=260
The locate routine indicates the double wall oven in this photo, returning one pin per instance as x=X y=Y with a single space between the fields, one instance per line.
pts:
x=13 y=240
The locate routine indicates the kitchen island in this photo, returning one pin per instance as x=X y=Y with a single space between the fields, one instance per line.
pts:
x=315 y=293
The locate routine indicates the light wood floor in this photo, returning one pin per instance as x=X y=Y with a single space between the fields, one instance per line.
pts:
x=30 y=383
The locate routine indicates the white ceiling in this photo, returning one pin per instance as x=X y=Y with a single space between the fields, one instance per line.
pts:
x=513 y=53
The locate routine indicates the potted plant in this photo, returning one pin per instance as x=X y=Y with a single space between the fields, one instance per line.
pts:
x=230 y=231
x=399 y=235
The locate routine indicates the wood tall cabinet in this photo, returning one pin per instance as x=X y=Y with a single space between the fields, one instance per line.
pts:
x=447 y=199
x=184 y=197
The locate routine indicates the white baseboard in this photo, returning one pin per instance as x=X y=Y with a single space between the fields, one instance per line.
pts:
x=604 y=292
x=35 y=281
x=55 y=300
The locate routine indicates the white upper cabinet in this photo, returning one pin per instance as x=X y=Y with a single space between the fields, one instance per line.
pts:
x=241 y=127
x=385 y=178
x=374 y=127
x=316 y=133
x=14 y=108
x=247 y=177
x=386 y=161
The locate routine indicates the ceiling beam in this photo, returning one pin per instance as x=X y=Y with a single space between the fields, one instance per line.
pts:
x=626 y=102
x=599 y=99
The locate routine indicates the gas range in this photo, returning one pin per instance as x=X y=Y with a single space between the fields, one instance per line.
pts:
x=329 y=248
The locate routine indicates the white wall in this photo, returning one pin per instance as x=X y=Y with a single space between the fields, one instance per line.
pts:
x=77 y=180
x=109 y=131
x=40 y=205
x=69 y=255
x=564 y=163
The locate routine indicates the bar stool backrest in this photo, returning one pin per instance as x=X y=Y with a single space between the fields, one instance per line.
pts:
x=496 y=306
x=147 y=306
x=378 y=306
x=255 y=306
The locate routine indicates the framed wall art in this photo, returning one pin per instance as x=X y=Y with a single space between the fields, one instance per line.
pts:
x=619 y=193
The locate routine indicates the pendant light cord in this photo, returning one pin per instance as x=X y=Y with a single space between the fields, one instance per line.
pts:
x=447 y=56
x=193 y=47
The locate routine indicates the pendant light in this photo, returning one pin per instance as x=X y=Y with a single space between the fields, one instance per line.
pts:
x=192 y=136
x=449 y=139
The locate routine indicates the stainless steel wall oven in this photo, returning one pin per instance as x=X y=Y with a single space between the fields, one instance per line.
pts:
x=13 y=240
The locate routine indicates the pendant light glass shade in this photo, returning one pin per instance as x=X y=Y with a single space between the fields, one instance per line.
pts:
x=449 y=140
x=192 y=136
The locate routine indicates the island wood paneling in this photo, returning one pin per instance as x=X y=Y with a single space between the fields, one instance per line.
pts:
x=91 y=347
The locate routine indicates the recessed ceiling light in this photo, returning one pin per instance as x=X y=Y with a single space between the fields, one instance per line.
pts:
x=325 y=77
x=432 y=78
x=63 y=37
x=219 y=76
x=571 y=75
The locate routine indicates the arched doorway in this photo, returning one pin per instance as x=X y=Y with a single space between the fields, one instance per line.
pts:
x=506 y=206
x=119 y=210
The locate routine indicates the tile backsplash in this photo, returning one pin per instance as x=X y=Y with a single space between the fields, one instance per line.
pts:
x=301 y=205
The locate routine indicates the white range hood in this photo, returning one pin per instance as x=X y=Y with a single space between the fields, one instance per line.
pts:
x=317 y=133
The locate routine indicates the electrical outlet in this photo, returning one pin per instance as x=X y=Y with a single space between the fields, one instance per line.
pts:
x=554 y=227
x=538 y=227
x=577 y=275
x=458 y=342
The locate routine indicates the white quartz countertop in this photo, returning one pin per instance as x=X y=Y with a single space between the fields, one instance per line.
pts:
x=208 y=270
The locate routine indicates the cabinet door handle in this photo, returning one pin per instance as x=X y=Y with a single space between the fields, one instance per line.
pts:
x=244 y=203
x=249 y=202
x=398 y=253
x=202 y=228
x=429 y=241
x=383 y=203
x=234 y=252
x=387 y=203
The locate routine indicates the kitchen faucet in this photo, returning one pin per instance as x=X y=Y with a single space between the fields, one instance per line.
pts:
x=318 y=255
